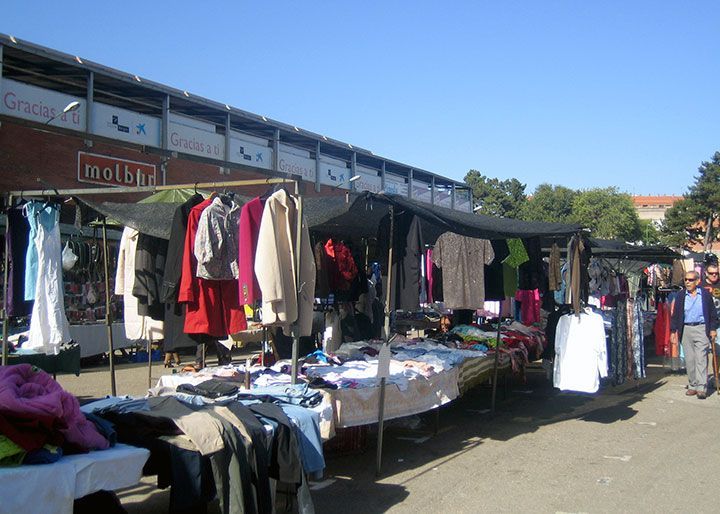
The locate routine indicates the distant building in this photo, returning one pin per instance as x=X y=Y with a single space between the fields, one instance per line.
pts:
x=653 y=207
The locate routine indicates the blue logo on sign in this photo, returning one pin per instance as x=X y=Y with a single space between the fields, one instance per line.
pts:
x=141 y=128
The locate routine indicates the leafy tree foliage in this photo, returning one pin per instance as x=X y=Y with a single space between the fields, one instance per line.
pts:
x=694 y=219
x=549 y=203
x=495 y=197
x=609 y=214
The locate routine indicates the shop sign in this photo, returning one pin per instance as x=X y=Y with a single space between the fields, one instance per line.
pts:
x=297 y=165
x=112 y=171
x=126 y=125
x=368 y=181
x=38 y=104
x=250 y=154
x=334 y=175
x=395 y=185
x=191 y=139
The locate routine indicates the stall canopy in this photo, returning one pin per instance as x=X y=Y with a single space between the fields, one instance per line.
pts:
x=615 y=249
x=358 y=215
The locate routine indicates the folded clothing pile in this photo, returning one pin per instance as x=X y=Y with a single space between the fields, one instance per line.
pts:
x=37 y=416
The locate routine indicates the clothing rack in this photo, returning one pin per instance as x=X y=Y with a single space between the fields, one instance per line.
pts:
x=11 y=195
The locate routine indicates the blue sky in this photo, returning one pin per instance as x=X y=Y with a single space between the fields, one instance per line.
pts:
x=583 y=94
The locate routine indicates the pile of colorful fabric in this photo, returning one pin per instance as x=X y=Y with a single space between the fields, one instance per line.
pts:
x=39 y=420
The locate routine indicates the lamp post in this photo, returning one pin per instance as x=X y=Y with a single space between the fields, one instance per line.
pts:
x=349 y=181
x=72 y=106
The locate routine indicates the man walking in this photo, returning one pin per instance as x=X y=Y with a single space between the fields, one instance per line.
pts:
x=694 y=322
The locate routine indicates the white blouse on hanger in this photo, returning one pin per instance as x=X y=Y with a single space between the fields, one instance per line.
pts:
x=137 y=327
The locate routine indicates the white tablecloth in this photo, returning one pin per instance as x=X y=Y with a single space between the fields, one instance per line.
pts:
x=93 y=338
x=53 y=487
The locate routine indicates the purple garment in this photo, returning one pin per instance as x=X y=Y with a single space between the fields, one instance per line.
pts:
x=19 y=231
x=28 y=396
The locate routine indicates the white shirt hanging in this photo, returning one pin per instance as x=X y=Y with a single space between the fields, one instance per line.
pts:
x=580 y=352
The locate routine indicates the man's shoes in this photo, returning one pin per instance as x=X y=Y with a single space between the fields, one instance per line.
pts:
x=691 y=392
x=701 y=395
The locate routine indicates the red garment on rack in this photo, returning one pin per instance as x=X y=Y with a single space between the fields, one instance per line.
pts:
x=662 y=330
x=529 y=305
x=343 y=269
x=213 y=306
x=250 y=217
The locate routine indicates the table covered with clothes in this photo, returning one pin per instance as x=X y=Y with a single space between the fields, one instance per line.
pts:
x=209 y=439
x=50 y=451
x=424 y=374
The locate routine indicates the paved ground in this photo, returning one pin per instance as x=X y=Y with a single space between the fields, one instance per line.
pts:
x=635 y=448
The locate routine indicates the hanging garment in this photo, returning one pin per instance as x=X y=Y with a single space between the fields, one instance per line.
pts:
x=284 y=301
x=137 y=326
x=529 y=306
x=49 y=327
x=216 y=246
x=580 y=352
x=429 y=274
x=174 y=329
x=578 y=254
x=213 y=306
x=150 y=258
x=408 y=247
x=36 y=214
x=554 y=275
x=250 y=217
x=18 y=242
x=638 y=346
x=510 y=280
x=342 y=268
x=618 y=349
x=462 y=260
x=531 y=274
x=322 y=271
x=494 y=274
x=659 y=329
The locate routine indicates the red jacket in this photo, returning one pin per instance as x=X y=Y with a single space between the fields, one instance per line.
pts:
x=213 y=306
x=342 y=265
x=250 y=217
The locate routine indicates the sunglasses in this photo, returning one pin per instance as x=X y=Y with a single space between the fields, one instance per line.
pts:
x=711 y=272
x=690 y=279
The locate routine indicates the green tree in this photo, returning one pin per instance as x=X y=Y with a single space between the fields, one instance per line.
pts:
x=495 y=197
x=649 y=233
x=549 y=203
x=692 y=220
x=608 y=213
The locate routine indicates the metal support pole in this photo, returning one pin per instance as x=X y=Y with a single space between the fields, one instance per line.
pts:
x=298 y=246
x=318 y=167
x=410 y=177
x=165 y=122
x=382 y=177
x=388 y=286
x=388 y=307
x=381 y=423
x=276 y=150
x=90 y=102
x=715 y=365
x=432 y=191
x=108 y=313
x=495 y=367
x=353 y=169
x=149 y=350
x=6 y=262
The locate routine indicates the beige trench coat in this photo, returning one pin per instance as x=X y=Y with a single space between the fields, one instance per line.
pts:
x=275 y=266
